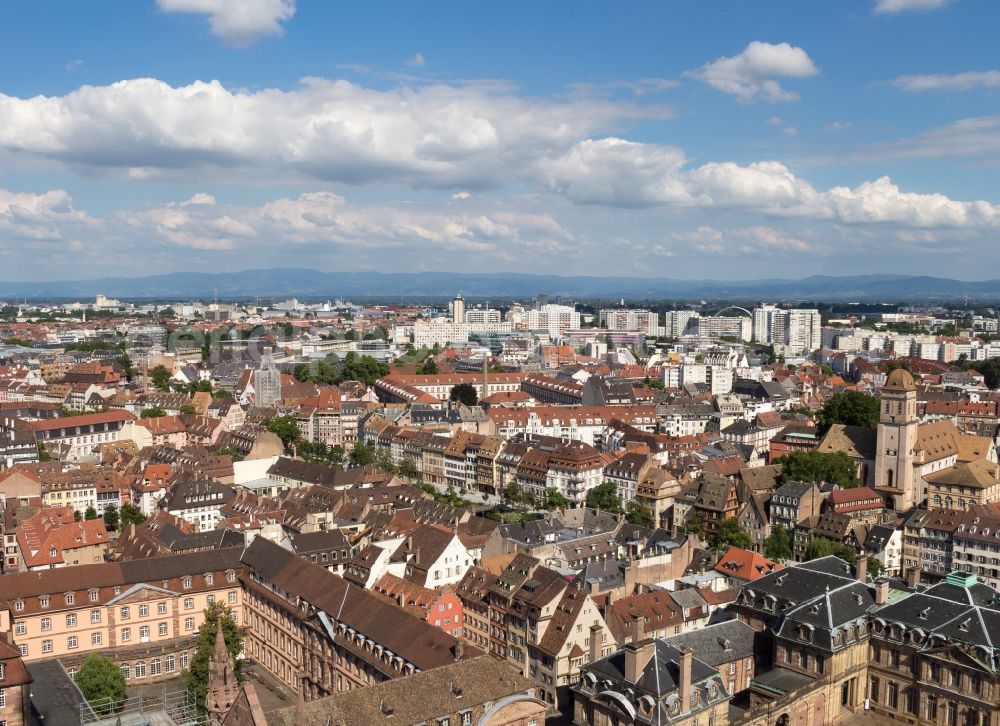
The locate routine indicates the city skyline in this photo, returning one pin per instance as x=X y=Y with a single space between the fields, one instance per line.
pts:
x=725 y=142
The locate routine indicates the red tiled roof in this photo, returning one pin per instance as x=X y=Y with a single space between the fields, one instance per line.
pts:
x=745 y=565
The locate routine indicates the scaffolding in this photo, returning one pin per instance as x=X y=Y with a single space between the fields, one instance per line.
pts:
x=177 y=708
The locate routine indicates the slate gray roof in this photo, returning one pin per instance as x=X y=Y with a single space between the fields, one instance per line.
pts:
x=661 y=675
x=720 y=643
x=967 y=613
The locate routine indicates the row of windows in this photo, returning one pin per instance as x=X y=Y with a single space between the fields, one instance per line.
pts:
x=124 y=613
x=94 y=595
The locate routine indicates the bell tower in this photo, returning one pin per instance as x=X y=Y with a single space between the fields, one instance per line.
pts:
x=895 y=478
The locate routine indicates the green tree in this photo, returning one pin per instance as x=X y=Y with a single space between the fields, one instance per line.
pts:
x=188 y=409
x=638 y=514
x=554 y=499
x=361 y=368
x=605 y=497
x=126 y=363
x=408 y=468
x=43 y=453
x=196 y=677
x=816 y=466
x=851 y=408
x=875 y=568
x=464 y=393
x=383 y=460
x=285 y=428
x=90 y=514
x=131 y=514
x=695 y=525
x=777 y=546
x=111 y=518
x=430 y=366
x=730 y=533
x=102 y=683
x=823 y=547
x=160 y=377
x=361 y=455
x=152 y=412
x=512 y=493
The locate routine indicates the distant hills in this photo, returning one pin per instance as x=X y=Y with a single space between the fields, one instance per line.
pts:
x=304 y=283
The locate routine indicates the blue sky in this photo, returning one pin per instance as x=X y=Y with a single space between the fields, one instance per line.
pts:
x=709 y=139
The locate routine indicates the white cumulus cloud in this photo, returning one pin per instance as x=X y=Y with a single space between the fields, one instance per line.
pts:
x=237 y=22
x=753 y=73
x=891 y=7
x=416 y=60
x=968 y=81
x=466 y=136
x=630 y=174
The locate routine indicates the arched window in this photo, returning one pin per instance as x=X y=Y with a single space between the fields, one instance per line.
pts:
x=140 y=669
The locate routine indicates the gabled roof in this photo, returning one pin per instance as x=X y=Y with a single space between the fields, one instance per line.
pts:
x=858 y=442
x=745 y=565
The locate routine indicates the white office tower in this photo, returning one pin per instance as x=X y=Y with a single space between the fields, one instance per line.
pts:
x=554 y=319
x=458 y=309
x=793 y=331
x=632 y=320
x=676 y=322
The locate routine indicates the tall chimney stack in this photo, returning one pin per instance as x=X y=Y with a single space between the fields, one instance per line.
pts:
x=913 y=577
x=882 y=592
x=637 y=654
x=684 y=684
x=862 y=568
x=596 y=642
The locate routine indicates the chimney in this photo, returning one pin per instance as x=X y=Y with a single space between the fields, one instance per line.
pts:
x=458 y=649
x=638 y=628
x=881 y=592
x=913 y=577
x=684 y=682
x=637 y=654
x=595 y=642
x=862 y=568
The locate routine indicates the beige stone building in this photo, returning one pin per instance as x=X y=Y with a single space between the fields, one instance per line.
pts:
x=143 y=614
x=963 y=485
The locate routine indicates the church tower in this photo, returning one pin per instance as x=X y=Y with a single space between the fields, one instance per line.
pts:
x=223 y=689
x=895 y=478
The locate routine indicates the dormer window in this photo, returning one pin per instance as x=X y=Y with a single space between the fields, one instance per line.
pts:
x=70 y=598
x=94 y=594
x=43 y=601
x=186 y=582
x=209 y=579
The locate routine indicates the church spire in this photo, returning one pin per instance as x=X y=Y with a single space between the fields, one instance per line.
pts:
x=222 y=686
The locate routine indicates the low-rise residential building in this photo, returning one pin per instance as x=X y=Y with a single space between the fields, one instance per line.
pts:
x=794 y=502
x=318 y=634
x=143 y=614
x=53 y=538
x=441 y=608
x=649 y=681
